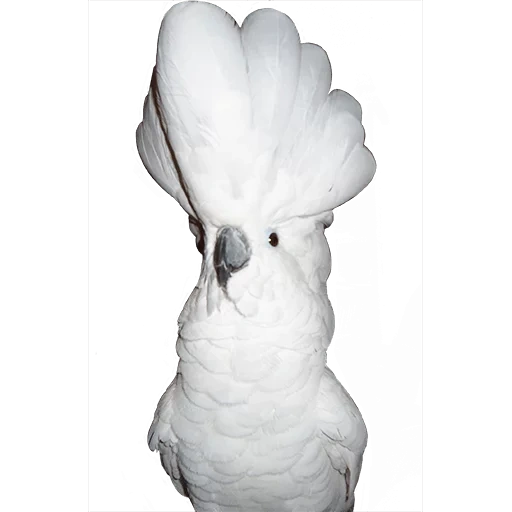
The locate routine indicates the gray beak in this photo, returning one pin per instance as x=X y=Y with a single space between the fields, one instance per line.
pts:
x=232 y=252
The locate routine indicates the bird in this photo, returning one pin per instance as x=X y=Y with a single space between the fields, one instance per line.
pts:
x=240 y=126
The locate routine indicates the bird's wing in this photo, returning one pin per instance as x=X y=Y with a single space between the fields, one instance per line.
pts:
x=342 y=430
x=162 y=438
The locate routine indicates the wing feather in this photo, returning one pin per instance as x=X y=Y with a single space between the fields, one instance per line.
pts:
x=162 y=439
x=342 y=430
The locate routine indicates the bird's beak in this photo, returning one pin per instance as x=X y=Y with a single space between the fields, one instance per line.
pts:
x=232 y=252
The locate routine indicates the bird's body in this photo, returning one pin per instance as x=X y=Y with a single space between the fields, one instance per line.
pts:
x=251 y=415
x=238 y=127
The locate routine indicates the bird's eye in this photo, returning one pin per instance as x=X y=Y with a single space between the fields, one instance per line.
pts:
x=273 y=239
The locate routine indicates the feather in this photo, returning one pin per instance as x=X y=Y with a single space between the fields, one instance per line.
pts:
x=201 y=75
x=347 y=103
x=313 y=86
x=155 y=152
x=272 y=50
x=336 y=165
x=342 y=428
x=202 y=90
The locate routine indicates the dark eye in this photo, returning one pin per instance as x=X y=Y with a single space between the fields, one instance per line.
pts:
x=273 y=239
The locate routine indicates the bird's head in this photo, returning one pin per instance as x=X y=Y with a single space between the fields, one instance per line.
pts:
x=261 y=266
x=240 y=128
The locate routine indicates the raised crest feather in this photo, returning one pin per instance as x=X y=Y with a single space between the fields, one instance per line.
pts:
x=240 y=120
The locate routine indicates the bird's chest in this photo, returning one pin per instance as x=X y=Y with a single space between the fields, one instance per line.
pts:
x=258 y=456
x=251 y=437
x=260 y=470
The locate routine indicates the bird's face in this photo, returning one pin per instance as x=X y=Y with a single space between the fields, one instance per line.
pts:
x=265 y=268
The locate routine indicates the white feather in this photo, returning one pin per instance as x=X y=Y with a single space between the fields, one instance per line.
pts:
x=313 y=86
x=342 y=428
x=345 y=102
x=154 y=150
x=201 y=76
x=272 y=50
x=329 y=163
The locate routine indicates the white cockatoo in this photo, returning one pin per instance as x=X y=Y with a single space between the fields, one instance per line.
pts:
x=240 y=128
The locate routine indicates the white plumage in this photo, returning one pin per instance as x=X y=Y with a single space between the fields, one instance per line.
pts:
x=240 y=128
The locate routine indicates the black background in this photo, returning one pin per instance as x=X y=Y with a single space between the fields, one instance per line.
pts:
x=142 y=261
